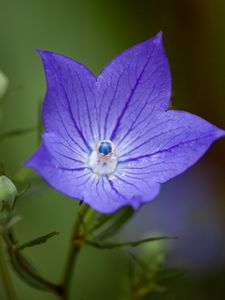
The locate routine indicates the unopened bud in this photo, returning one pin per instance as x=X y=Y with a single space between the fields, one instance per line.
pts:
x=8 y=191
x=3 y=83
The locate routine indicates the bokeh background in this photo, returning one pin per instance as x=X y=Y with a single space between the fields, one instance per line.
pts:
x=191 y=206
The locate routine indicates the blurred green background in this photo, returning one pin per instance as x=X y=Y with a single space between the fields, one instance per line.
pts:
x=93 y=32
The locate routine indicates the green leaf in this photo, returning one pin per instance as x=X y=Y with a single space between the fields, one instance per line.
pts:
x=105 y=245
x=107 y=225
x=38 y=241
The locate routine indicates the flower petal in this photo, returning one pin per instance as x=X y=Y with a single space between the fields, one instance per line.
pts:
x=131 y=88
x=69 y=106
x=67 y=155
x=70 y=181
x=174 y=142
x=104 y=194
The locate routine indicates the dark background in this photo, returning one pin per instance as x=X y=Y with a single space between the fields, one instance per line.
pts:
x=191 y=206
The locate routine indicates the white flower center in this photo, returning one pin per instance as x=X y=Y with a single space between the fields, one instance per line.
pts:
x=103 y=160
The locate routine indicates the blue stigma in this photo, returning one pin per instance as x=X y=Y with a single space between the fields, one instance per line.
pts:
x=105 y=147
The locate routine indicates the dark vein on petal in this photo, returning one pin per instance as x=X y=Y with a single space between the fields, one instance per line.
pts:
x=69 y=107
x=114 y=189
x=87 y=106
x=113 y=98
x=70 y=148
x=65 y=128
x=151 y=138
x=138 y=116
x=68 y=157
x=137 y=178
x=76 y=96
x=162 y=151
x=146 y=132
x=97 y=184
x=131 y=184
x=73 y=169
x=100 y=113
x=130 y=97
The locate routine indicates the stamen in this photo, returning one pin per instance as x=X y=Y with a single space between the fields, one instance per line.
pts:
x=104 y=147
x=103 y=160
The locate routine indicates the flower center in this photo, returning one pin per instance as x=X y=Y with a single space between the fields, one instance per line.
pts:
x=105 y=148
x=103 y=160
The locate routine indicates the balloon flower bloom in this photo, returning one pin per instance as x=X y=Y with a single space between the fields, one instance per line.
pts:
x=111 y=140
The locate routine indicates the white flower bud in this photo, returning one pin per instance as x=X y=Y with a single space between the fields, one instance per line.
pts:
x=8 y=191
x=3 y=83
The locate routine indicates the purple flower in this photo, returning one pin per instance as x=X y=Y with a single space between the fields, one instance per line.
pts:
x=111 y=141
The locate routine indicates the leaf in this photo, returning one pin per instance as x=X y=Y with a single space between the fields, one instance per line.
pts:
x=99 y=221
x=38 y=241
x=104 y=245
x=108 y=225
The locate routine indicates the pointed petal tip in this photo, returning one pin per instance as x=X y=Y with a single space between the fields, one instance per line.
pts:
x=43 y=52
x=221 y=133
x=46 y=54
x=40 y=51
x=218 y=132
x=158 y=37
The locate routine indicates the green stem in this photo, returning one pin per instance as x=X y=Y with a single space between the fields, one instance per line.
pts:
x=9 y=289
x=106 y=245
x=18 y=261
x=77 y=241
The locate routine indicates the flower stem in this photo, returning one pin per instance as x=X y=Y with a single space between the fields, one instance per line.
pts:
x=23 y=268
x=4 y=274
x=77 y=241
